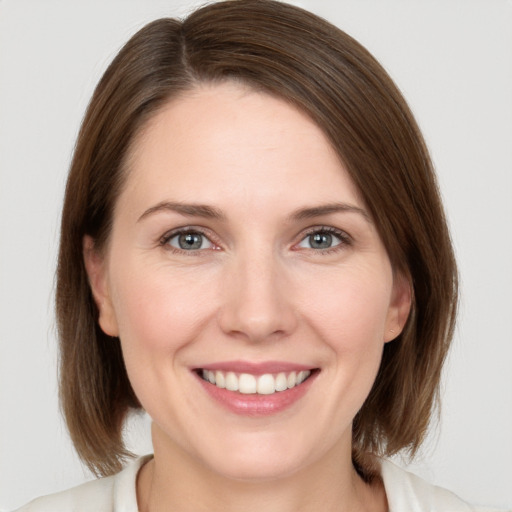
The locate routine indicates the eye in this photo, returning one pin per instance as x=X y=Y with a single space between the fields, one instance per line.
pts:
x=324 y=238
x=189 y=241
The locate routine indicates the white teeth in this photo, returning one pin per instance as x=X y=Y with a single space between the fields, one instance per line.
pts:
x=301 y=377
x=266 y=384
x=246 y=383
x=220 y=381
x=281 y=382
x=231 y=381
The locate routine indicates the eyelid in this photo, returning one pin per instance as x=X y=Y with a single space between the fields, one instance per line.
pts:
x=346 y=239
x=168 y=235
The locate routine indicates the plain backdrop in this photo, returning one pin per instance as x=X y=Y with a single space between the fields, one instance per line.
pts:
x=453 y=61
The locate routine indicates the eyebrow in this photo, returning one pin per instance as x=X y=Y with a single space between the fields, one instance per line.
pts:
x=194 y=210
x=210 y=212
x=319 y=211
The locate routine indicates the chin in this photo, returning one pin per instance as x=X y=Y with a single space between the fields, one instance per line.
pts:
x=257 y=468
x=259 y=457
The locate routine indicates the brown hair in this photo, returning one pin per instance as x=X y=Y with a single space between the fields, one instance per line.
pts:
x=295 y=55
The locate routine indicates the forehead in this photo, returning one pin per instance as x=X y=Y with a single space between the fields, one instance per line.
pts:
x=228 y=140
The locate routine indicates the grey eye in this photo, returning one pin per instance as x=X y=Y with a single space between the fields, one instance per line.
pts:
x=191 y=241
x=320 y=240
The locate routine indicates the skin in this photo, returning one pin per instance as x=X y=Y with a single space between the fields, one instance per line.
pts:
x=256 y=291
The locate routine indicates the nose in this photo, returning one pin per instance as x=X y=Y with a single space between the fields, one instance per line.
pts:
x=257 y=300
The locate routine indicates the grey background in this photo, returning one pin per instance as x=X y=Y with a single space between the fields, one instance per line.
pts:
x=453 y=61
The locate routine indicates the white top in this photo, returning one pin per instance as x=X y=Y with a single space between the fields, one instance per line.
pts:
x=405 y=492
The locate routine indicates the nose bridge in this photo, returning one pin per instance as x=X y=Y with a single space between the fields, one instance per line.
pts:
x=256 y=304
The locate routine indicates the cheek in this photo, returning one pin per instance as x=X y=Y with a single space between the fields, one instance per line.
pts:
x=351 y=309
x=349 y=315
x=159 y=317
x=158 y=312
x=355 y=317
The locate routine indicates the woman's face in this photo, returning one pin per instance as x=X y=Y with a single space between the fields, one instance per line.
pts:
x=241 y=252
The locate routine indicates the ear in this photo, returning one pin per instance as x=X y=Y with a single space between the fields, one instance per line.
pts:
x=96 y=268
x=399 y=307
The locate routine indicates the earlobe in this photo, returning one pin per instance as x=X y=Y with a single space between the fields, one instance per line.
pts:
x=95 y=267
x=399 y=308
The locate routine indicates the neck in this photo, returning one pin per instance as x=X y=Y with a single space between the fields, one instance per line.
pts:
x=175 y=480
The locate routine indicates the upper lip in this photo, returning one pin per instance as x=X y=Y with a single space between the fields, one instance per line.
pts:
x=255 y=368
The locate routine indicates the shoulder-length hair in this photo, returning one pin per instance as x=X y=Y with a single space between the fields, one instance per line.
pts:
x=299 y=57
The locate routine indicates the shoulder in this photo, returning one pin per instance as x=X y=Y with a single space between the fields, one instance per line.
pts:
x=406 y=491
x=107 y=494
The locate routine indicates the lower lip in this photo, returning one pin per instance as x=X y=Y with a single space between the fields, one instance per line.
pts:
x=258 y=405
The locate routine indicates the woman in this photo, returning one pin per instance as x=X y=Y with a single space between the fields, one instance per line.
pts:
x=253 y=250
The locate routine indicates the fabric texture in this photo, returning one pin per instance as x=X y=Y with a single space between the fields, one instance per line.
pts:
x=405 y=491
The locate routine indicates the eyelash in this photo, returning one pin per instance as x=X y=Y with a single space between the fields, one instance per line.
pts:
x=345 y=239
x=165 y=239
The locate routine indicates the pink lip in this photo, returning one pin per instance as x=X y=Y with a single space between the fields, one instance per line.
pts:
x=256 y=368
x=255 y=405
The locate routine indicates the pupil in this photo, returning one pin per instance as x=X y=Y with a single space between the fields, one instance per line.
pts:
x=321 y=240
x=190 y=241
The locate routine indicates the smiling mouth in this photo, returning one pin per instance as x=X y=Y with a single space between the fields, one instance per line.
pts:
x=249 y=384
